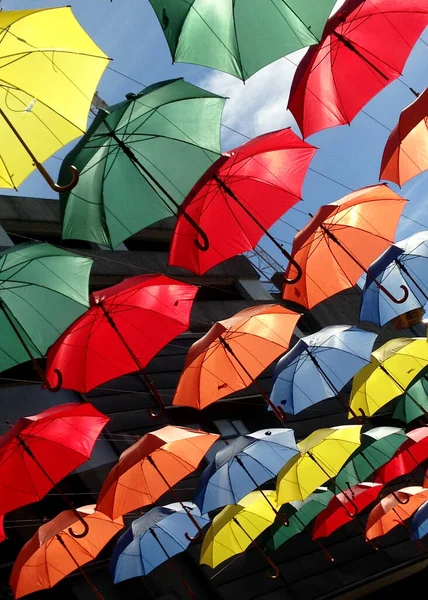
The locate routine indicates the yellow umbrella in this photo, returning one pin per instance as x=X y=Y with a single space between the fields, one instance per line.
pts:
x=50 y=69
x=393 y=367
x=322 y=454
x=238 y=526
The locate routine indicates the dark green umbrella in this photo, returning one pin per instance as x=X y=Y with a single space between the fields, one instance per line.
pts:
x=43 y=289
x=408 y=404
x=139 y=160
x=240 y=36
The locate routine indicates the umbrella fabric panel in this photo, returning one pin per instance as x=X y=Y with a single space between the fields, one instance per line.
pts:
x=420 y=522
x=407 y=410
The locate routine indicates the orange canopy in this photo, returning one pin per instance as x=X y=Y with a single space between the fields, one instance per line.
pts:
x=341 y=241
x=151 y=466
x=406 y=150
x=52 y=553
x=255 y=336
x=389 y=513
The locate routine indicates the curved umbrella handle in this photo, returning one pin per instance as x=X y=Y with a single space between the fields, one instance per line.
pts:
x=275 y=573
x=59 y=188
x=401 y=501
x=205 y=241
x=354 y=506
x=393 y=298
x=161 y=405
x=296 y=265
x=196 y=524
x=58 y=385
x=84 y=523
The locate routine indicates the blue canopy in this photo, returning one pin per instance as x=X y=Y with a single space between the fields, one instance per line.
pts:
x=420 y=522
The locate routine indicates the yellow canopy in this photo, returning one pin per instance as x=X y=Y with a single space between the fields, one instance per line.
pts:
x=233 y=530
x=49 y=71
x=403 y=359
x=322 y=454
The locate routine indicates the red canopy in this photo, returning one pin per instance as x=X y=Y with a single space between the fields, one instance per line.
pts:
x=409 y=456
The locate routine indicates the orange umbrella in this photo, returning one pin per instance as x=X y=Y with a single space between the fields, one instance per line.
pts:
x=340 y=242
x=406 y=150
x=151 y=466
x=233 y=353
x=52 y=553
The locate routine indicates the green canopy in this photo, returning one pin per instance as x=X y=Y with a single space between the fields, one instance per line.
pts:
x=240 y=36
x=43 y=289
x=407 y=408
x=139 y=160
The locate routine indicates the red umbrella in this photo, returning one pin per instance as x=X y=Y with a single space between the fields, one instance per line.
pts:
x=240 y=198
x=364 y=47
x=409 y=456
x=3 y=535
x=124 y=328
x=39 y=451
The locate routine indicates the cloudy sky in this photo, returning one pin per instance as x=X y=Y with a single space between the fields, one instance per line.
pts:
x=128 y=32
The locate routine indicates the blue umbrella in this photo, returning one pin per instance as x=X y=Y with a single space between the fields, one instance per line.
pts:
x=319 y=366
x=404 y=265
x=420 y=522
x=242 y=466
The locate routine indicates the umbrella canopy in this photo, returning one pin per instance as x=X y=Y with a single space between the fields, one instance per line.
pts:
x=40 y=450
x=50 y=72
x=153 y=539
x=52 y=553
x=322 y=454
x=420 y=522
x=393 y=366
x=156 y=145
x=406 y=151
x=341 y=241
x=407 y=410
x=408 y=457
x=403 y=264
x=151 y=466
x=223 y=38
x=3 y=535
x=353 y=62
x=244 y=464
x=233 y=353
x=344 y=506
x=244 y=194
x=319 y=366
x=391 y=510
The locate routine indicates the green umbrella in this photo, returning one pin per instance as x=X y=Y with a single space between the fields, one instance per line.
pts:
x=240 y=36
x=43 y=289
x=407 y=408
x=139 y=160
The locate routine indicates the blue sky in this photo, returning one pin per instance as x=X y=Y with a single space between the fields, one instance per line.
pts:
x=128 y=32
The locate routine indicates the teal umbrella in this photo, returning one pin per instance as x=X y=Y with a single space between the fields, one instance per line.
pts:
x=240 y=36
x=43 y=289
x=139 y=160
x=409 y=404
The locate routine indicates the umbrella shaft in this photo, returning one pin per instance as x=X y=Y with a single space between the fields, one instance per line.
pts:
x=353 y=49
x=79 y=567
x=256 y=545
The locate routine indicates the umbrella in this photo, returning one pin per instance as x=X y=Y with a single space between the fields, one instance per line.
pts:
x=52 y=553
x=243 y=465
x=124 y=328
x=340 y=242
x=42 y=290
x=353 y=61
x=150 y=467
x=233 y=353
x=407 y=410
x=408 y=457
x=319 y=366
x=245 y=192
x=404 y=264
x=50 y=72
x=3 y=535
x=224 y=38
x=420 y=522
x=406 y=151
x=237 y=527
x=155 y=145
x=38 y=451
x=393 y=366
x=322 y=454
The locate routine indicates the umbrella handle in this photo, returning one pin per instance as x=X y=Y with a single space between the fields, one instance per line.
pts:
x=51 y=183
x=160 y=403
x=274 y=574
x=401 y=501
x=58 y=386
x=296 y=265
x=204 y=246
x=198 y=533
x=390 y=296
x=84 y=523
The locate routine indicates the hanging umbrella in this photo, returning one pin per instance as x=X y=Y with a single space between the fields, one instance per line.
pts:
x=245 y=192
x=224 y=38
x=408 y=457
x=353 y=62
x=52 y=553
x=233 y=353
x=393 y=366
x=406 y=151
x=319 y=366
x=322 y=454
x=155 y=145
x=242 y=466
x=420 y=522
x=340 y=242
x=39 y=451
x=42 y=290
x=124 y=328
x=150 y=467
x=50 y=72
x=407 y=410
x=3 y=535
x=404 y=264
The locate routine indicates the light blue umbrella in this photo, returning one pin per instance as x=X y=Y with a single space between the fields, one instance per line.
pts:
x=242 y=466
x=403 y=266
x=319 y=366
x=153 y=539
x=420 y=522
